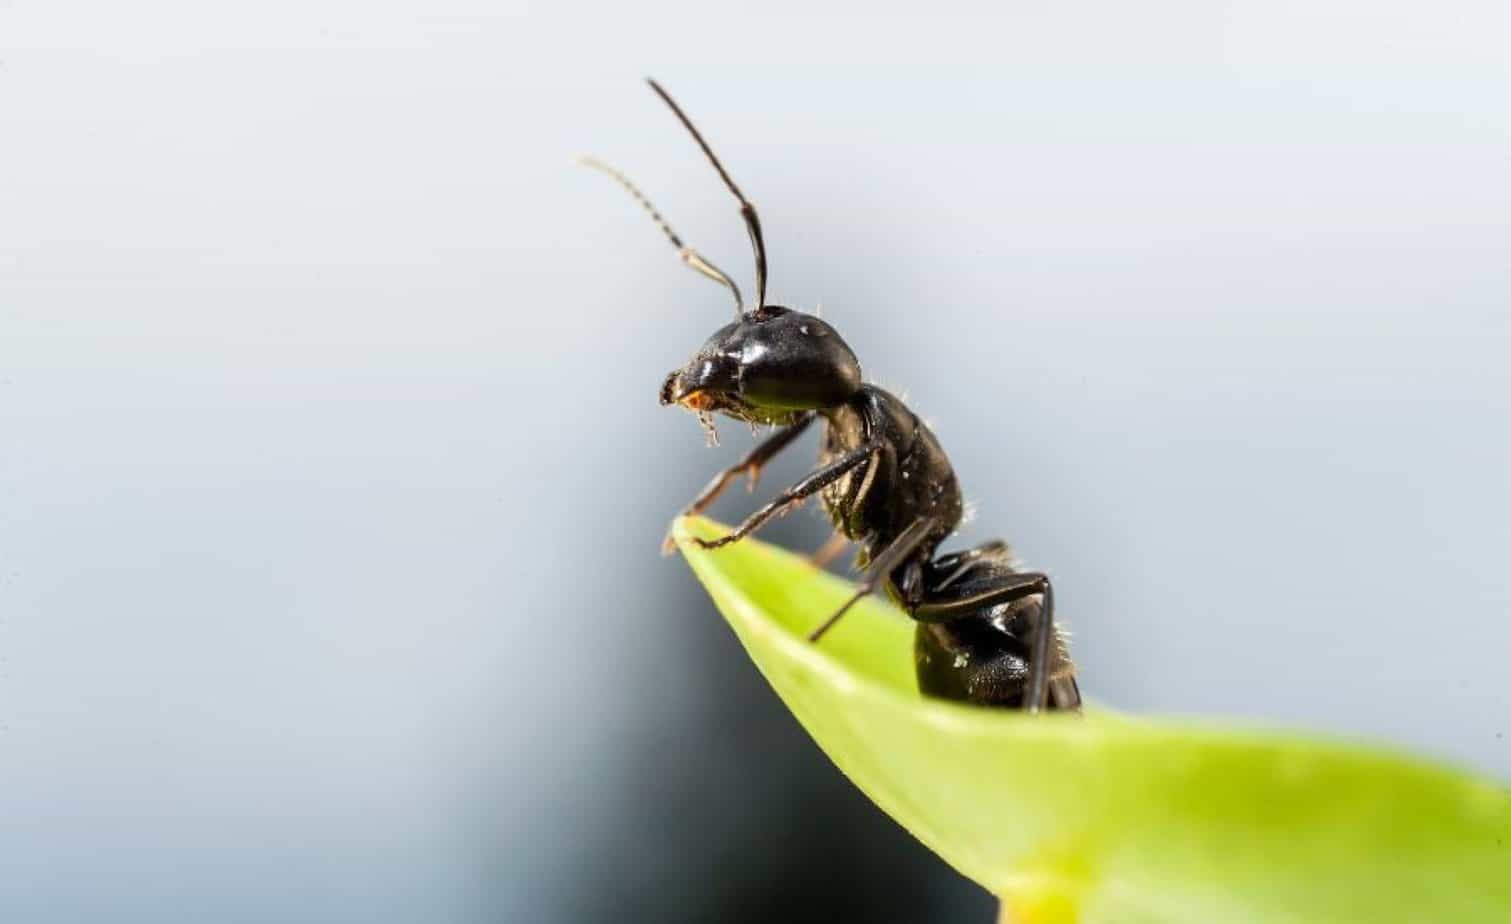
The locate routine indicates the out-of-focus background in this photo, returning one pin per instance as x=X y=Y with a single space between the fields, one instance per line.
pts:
x=332 y=474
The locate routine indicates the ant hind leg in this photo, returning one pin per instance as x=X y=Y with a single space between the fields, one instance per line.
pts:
x=1012 y=587
x=955 y=565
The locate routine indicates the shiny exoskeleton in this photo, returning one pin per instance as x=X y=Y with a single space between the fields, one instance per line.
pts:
x=986 y=630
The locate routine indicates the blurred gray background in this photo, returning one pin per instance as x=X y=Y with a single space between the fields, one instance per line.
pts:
x=332 y=475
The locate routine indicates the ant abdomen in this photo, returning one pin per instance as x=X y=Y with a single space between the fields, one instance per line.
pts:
x=984 y=659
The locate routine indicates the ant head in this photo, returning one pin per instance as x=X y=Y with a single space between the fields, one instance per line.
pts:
x=767 y=367
x=771 y=364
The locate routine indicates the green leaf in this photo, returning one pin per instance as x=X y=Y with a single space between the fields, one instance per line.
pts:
x=1107 y=818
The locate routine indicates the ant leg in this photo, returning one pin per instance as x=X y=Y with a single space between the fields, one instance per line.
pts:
x=958 y=563
x=830 y=551
x=895 y=554
x=806 y=488
x=1014 y=587
x=751 y=465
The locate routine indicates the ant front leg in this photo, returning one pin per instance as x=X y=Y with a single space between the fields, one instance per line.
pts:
x=751 y=465
x=804 y=489
x=1014 y=587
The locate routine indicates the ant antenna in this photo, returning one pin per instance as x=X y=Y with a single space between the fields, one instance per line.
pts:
x=689 y=256
x=747 y=211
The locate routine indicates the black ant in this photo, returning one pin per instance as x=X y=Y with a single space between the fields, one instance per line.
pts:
x=884 y=480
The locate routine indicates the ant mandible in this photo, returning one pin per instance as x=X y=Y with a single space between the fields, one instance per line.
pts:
x=986 y=631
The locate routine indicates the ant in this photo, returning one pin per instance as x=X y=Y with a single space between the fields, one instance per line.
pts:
x=985 y=630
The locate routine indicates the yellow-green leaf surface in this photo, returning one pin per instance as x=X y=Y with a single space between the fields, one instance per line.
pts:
x=1106 y=818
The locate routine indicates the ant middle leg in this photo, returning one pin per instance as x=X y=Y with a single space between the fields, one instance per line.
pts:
x=882 y=565
x=1012 y=587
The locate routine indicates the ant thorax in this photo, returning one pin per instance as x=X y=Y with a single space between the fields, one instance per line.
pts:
x=907 y=476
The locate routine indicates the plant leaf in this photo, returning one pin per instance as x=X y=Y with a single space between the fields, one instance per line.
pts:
x=1106 y=818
